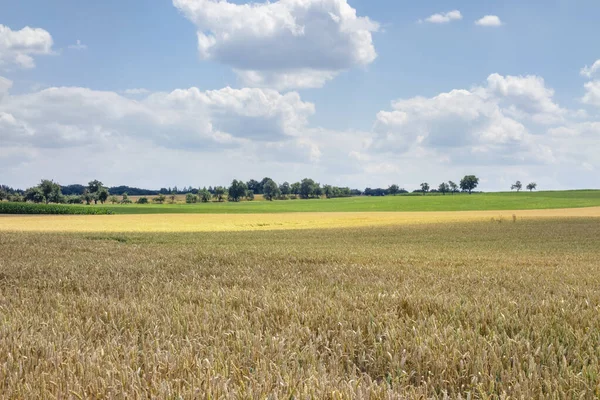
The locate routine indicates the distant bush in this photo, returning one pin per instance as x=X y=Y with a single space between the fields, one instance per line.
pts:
x=142 y=200
x=191 y=198
x=32 y=208
x=126 y=201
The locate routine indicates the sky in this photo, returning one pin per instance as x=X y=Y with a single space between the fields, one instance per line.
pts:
x=348 y=92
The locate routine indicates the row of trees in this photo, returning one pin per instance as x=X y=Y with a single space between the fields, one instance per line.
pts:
x=519 y=186
x=49 y=191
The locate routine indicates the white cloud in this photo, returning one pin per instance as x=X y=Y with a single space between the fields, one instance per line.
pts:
x=287 y=44
x=592 y=93
x=526 y=97
x=495 y=123
x=5 y=85
x=589 y=72
x=489 y=20
x=185 y=118
x=18 y=47
x=443 y=18
x=136 y=91
x=78 y=46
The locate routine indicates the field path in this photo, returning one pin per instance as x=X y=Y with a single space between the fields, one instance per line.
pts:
x=251 y=222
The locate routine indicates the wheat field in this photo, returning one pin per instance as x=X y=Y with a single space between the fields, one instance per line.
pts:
x=257 y=222
x=475 y=309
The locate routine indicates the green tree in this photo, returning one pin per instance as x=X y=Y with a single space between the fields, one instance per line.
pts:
x=88 y=197
x=114 y=199
x=393 y=189
x=250 y=195
x=295 y=188
x=220 y=193
x=35 y=195
x=191 y=198
x=285 y=189
x=453 y=187
x=532 y=186
x=160 y=199
x=518 y=185
x=307 y=188
x=424 y=188
x=469 y=183
x=443 y=188
x=142 y=200
x=102 y=195
x=270 y=190
x=328 y=191
x=3 y=195
x=237 y=190
x=204 y=195
x=50 y=191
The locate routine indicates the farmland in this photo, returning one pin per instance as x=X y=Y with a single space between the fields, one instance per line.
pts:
x=421 y=308
x=459 y=202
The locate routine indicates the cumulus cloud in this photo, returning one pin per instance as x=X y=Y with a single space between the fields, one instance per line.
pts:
x=283 y=44
x=136 y=91
x=185 y=118
x=17 y=48
x=443 y=18
x=526 y=97
x=486 y=124
x=589 y=72
x=592 y=93
x=489 y=20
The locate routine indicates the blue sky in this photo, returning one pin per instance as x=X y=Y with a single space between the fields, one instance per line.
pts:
x=283 y=91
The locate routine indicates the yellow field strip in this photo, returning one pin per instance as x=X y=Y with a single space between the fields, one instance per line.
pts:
x=256 y=222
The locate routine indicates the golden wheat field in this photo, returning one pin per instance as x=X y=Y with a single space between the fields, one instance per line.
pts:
x=254 y=222
x=455 y=309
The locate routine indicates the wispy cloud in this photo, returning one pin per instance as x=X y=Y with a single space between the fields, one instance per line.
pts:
x=78 y=46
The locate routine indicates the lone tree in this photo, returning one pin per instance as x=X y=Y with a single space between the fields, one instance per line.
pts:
x=532 y=186
x=394 y=189
x=93 y=189
x=453 y=187
x=443 y=188
x=237 y=190
x=518 y=185
x=469 y=182
x=270 y=189
x=424 y=188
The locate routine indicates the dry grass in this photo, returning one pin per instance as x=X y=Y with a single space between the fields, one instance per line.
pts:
x=258 y=222
x=476 y=309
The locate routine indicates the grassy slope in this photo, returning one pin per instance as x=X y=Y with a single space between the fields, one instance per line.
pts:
x=462 y=202
x=416 y=311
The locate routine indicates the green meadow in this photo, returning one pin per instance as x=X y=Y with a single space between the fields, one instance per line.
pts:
x=458 y=202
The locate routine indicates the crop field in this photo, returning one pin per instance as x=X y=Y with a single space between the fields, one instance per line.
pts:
x=430 y=202
x=257 y=222
x=452 y=307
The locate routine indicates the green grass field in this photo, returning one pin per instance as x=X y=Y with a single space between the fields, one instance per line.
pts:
x=460 y=202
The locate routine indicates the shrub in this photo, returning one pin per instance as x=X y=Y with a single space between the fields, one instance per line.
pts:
x=142 y=200
x=126 y=201
x=191 y=198
x=33 y=208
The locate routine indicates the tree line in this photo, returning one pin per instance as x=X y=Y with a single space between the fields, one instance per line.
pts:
x=48 y=191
